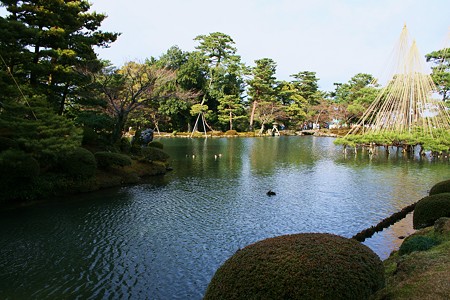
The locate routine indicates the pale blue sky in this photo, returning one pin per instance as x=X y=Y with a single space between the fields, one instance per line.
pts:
x=334 y=38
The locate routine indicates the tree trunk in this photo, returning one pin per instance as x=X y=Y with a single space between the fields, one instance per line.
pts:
x=33 y=75
x=62 y=102
x=118 y=127
x=252 y=115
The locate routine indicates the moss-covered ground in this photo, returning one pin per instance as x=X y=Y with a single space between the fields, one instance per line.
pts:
x=420 y=274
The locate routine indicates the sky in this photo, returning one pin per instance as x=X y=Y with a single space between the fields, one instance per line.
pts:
x=334 y=38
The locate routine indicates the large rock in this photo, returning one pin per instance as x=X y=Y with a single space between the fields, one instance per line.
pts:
x=442 y=226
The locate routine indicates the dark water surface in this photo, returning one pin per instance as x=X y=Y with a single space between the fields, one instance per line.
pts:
x=165 y=239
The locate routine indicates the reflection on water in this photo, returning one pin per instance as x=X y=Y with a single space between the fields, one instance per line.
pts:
x=165 y=239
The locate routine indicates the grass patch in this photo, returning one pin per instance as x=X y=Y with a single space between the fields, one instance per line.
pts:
x=419 y=274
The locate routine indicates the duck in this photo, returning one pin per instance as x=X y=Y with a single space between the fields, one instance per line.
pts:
x=271 y=193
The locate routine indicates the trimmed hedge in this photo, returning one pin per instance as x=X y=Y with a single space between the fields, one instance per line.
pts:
x=18 y=173
x=154 y=154
x=106 y=159
x=231 y=132
x=416 y=243
x=125 y=145
x=440 y=187
x=431 y=208
x=299 y=266
x=79 y=164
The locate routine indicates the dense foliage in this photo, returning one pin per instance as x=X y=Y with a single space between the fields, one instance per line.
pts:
x=406 y=140
x=416 y=243
x=106 y=160
x=79 y=164
x=431 y=208
x=300 y=266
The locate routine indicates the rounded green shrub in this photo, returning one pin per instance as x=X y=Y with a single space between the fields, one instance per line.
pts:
x=19 y=172
x=299 y=266
x=416 y=243
x=440 y=187
x=125 y=145
x=154 y=154
x=79 y=164
x=16 y=165
x=431 y=208
x=106 y=159
x=156 y=144
x=231 y=132
x=90 y=137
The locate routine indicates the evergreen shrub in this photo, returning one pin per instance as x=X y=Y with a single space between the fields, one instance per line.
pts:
x=16 y=165
x=440 y=187
x=154 y=154
x=90 y=137
x=106 y=159
x=431 y=208
x=231 y=132
x=416 y=243
x=18 y=172
x=299 y=266
x=79 y=163
x=125 y=145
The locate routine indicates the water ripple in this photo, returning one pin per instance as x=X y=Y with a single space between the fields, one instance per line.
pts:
x=165 y=239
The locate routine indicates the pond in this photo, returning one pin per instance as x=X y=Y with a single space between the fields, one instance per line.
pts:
x=165 y=239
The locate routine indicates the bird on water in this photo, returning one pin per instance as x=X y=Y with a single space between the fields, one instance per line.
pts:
x=271 y=193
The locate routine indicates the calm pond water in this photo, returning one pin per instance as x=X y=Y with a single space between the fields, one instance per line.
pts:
x=166 y=238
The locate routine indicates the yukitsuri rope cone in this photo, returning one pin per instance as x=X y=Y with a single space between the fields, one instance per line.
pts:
x=404 y=114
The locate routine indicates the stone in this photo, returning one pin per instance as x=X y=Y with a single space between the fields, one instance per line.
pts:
x=442 y=225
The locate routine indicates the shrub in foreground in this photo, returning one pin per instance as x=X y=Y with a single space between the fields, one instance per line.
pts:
x=440 y=187
x=154 y=154
x=299 y=266
x=18 y=172
x=79 y=163
x=431 y=208
x=106 y=159
x=416 y=243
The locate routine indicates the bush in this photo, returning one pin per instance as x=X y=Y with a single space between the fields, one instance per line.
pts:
x=16 y=165
x=90 y=137
x=79 y=164
x=416 y=243
x=440 y=187
x=299 y=266
x=125 y=145
x=431 y=208
x=231 y=132
x=154 y=154
x=156 y=144
x=18 y=172
x=106 y=160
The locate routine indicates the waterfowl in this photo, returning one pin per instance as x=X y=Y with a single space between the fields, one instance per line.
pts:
x=271 y=193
